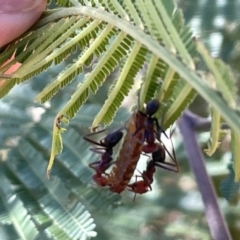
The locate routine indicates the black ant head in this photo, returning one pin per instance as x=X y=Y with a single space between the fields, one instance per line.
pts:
x=113 y=138
x=152 y=107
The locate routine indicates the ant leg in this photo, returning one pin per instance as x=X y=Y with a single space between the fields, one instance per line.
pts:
x=135 y=195
x=95 y=166
x=98 y=150
x=141 y=186
x=159 y=130
x=173 y=155
x=100 y=143
x=137 y=131
x=172 y=130
x=146 y=154
x=137 y=139
x=93 y=133
x=161 y=165
x=130 y=187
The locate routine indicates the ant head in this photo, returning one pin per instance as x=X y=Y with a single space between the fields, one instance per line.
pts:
x=113 y=138
x=152 y=107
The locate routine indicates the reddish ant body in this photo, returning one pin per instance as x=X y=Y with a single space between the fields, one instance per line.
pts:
x=158 y=160
x=152 y=129
x=106 y=150
x=143 y=185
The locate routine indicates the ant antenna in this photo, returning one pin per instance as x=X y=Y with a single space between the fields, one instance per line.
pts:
x=172 y=130
x=134 y=197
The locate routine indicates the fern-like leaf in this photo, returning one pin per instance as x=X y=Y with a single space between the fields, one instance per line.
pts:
x=122 y=86
x=74 y=69
x=13 y=211
x=56 y=207
x=156 y=26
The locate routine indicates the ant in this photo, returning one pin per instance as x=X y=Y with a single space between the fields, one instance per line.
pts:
x=152 y=131
x=150 y=123
x=106 y=150
x=158 y=160
x=143 y=185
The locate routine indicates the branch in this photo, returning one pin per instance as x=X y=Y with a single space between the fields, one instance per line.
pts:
x=216 y=222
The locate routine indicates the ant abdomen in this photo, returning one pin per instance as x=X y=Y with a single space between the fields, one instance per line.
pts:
x=113 y=138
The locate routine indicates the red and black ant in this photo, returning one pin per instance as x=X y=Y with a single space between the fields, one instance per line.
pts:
x=158 y=160
x=106 y=150
x=152 y=129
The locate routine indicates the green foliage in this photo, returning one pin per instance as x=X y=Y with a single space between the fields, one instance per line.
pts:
x=54 y=207
x=35 y=208
x=13 y=211
x=152 y=37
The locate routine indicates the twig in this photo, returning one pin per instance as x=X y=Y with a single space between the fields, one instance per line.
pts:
x=216 y=222
x=201 y=124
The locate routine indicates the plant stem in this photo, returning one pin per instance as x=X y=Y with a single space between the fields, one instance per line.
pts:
x=216 y=222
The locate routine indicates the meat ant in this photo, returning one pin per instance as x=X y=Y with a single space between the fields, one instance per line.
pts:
x=152 y=129
x=143 y=185
x=158 y=160
x=106 y=150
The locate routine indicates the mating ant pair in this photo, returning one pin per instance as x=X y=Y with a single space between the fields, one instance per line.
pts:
x=141 y=128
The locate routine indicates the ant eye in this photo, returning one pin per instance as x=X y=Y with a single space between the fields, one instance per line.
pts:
x=152 y=107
